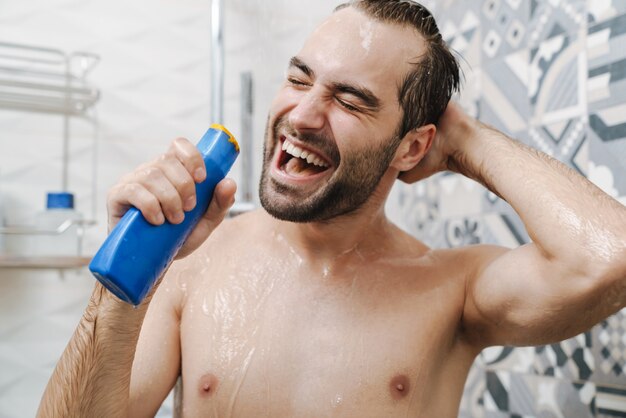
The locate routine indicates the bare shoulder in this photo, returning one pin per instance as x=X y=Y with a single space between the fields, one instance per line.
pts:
x=235 y=231
x=469 y=259
x=232 y=235
x=458 y=263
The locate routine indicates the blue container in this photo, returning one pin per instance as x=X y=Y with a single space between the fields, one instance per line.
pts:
x=136 y=253
x=59 y=200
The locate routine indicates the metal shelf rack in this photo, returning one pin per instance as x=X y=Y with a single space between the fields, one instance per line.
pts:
x=48 y=80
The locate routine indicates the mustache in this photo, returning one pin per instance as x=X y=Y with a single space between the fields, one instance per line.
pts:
x=318 y=141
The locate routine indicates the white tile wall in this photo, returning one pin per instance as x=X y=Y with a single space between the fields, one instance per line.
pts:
x=154 y=77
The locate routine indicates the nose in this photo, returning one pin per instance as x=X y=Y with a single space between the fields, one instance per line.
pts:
x=309 y=112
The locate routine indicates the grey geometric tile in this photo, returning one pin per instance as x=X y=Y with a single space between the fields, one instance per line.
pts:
x=433 y=234
x=571 y=359
x=553 y=18
x=609 y=123
x=516 y=359
x=556 y=80
x=599 y=11
x=561 y=139
x=505 y=227
x=460 y=232
x=611 y=401
x=538 y=396
x=504 y=103
x=459 y=196
x=498 y=390
x=606 y=84
x=497 y=229
x=607 y=165
x=416 y=204
x=496 y=414
x=607 y=151
x=504 y=24
x=472 y=401
x=609 y=350
x=459 y=24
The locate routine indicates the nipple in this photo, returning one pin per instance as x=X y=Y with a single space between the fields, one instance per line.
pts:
x=399 y=387
x=208 y=384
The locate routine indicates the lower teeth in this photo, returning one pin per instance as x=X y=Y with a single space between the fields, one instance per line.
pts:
x=299 y=167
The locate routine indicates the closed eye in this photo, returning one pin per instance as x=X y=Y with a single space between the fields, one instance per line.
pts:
x=296 y=82
x=348 y=106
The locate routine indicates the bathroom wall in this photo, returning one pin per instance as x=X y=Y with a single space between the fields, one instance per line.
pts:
x=154 y=78
x=154 y=81
x=550 y=73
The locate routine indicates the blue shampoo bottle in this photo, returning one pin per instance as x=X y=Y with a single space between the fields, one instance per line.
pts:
x=136 y=253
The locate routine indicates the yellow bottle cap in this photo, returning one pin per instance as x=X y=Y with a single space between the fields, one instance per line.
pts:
x=231 y=137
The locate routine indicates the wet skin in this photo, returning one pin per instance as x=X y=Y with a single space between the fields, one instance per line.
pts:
x=268 y=331
x=350 y=317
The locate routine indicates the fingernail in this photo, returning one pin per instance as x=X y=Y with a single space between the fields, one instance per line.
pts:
x=199 y=174
x=160 y=218
x=179 y=217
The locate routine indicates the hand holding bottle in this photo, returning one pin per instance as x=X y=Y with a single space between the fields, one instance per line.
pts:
x=164 y=188
x=164 y=210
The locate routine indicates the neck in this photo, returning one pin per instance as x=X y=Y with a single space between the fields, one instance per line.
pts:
x=362 y=231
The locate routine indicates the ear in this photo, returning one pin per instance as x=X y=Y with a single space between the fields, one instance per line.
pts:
x=414 y=147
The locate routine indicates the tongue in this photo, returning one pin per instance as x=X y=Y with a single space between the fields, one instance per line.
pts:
x=300 y=168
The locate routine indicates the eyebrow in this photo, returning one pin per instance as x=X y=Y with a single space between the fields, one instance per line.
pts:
x=299 y=64
x=364 y=94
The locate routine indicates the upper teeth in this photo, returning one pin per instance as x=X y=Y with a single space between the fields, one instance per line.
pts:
x=305 y=155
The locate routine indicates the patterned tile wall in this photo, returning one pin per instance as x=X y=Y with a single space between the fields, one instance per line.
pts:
x=552 y=74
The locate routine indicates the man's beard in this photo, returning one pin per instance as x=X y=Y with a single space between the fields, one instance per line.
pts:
x=356 y=176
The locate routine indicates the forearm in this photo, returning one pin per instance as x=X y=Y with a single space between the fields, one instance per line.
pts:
x=92 y=378
x=566 y=216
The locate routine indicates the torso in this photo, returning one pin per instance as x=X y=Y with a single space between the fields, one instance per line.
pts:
x=263 y=337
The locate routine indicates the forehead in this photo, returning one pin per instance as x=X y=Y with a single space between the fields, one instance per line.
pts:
x=350 y=46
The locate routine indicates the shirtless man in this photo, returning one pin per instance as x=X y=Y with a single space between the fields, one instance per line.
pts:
x=318 y=305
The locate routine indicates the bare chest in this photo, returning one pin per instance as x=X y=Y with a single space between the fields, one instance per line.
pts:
x=263 y=342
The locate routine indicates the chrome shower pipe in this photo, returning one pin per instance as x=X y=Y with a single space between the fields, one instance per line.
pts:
x=217 y=103
x=217 y=61
x=247 y=103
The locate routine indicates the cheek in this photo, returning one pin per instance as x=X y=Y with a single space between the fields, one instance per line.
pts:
x=348 y=131
x=285 y=100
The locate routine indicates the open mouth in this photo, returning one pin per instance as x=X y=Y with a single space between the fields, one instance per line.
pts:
x=297 y=161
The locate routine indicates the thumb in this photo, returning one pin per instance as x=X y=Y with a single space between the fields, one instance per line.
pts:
x=223 y=199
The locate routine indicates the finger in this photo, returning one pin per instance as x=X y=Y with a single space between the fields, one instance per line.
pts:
x=160 y=186
x=134 y=194
x=181 y=179
x=190 y=158
x=224 y=196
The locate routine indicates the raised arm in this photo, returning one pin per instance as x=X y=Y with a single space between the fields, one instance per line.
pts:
x=93 y=376
x=571 y=276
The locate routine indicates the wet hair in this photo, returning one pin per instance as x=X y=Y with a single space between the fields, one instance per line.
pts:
x=427 y=88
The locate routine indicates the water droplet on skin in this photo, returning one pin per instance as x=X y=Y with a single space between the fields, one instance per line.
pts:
x=205 y=307
x=325 y=271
